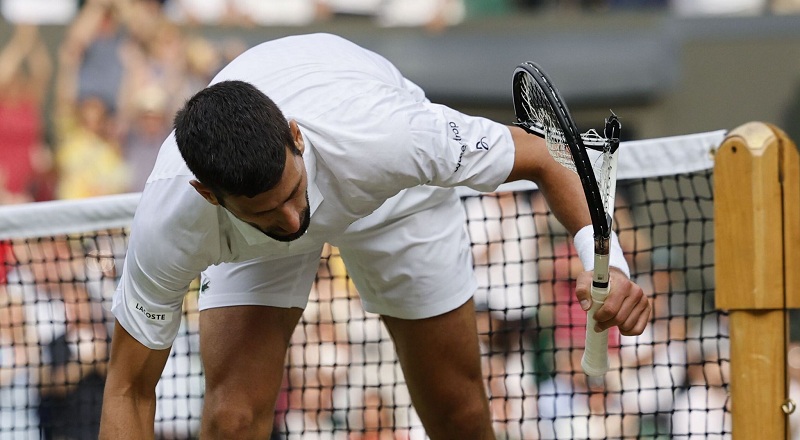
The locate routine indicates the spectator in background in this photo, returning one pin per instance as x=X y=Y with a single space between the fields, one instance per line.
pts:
x=88 y=155
x=18 y=359
x=162 y=70
x=200 y=12
x=74 y=369
x=67 y=327
x=25 y=162
x=203 y=61
x=783 y=7
x=702 y=408
x=645 y=369
x=653 y=364
x=434 y=15
x=41 y=12
x=92 y=52
x=378 y=420
x=181 y=388
x=318 y=360
x=150 y=125
x=39 y=270
x=88 y=158
x=158 y=59
x=6 y=260
x=280 y=12
x=373 y=367
x=503 y=236
x=230 y=48
x=103 y=266
x=372 y=371
x=568 y=406
x=142 y=19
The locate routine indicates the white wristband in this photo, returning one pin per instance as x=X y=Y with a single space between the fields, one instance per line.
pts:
x=584 y=244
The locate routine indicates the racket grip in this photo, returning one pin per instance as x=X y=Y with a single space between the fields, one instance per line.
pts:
x=595 y=355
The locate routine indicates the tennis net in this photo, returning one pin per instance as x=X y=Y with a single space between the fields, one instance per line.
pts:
x=61 y=261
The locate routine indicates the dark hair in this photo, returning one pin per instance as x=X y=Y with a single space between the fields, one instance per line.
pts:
x=233 y=138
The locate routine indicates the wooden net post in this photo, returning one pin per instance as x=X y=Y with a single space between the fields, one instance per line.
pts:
x=757 y=218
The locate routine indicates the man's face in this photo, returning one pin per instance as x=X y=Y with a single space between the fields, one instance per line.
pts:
x=282 y=213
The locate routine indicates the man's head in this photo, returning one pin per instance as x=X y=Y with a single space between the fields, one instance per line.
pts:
x=247 y=158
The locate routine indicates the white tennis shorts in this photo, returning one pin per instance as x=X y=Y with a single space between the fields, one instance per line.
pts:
x=407 y=260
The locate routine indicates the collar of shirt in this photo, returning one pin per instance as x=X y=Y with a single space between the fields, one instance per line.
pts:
x=255 y=237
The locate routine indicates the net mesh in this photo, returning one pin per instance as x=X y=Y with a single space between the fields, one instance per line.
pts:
x=342 y=377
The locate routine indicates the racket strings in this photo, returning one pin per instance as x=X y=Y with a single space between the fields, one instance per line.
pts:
x=605 y=179
x=557 y=146
x=539 y=111
x=602 y=167
x=542 y=118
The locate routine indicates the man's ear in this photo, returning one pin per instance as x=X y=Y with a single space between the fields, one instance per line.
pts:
x=205 y=192
x=297 y=136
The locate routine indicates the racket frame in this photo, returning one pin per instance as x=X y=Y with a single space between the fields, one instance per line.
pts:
x=601 y=222
x=595 y=358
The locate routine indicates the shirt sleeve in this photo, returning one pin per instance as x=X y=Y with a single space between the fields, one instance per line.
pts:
x=174 y=236
x=460 y=150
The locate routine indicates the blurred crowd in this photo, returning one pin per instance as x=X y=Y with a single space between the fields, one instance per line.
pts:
x=120 y=72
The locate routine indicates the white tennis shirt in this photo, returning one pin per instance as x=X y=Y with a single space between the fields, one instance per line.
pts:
x=376 y=149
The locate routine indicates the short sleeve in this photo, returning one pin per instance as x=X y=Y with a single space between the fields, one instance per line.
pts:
x=175 y=236
x=461 y=150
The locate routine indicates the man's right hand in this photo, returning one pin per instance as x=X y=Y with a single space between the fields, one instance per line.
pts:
x=129 y=400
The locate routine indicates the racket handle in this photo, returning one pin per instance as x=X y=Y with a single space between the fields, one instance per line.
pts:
x=595 y=355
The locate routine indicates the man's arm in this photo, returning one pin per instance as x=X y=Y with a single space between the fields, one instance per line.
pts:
x=626 y=306
x=560 y=186
x=129 y=400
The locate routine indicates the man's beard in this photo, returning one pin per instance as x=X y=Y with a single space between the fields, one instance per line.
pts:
x=306 y=221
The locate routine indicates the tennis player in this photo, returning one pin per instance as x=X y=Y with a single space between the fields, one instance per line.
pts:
x=298 y=142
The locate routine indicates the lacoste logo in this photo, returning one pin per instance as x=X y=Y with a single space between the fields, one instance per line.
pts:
x=204 y=286
x=153 y=316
